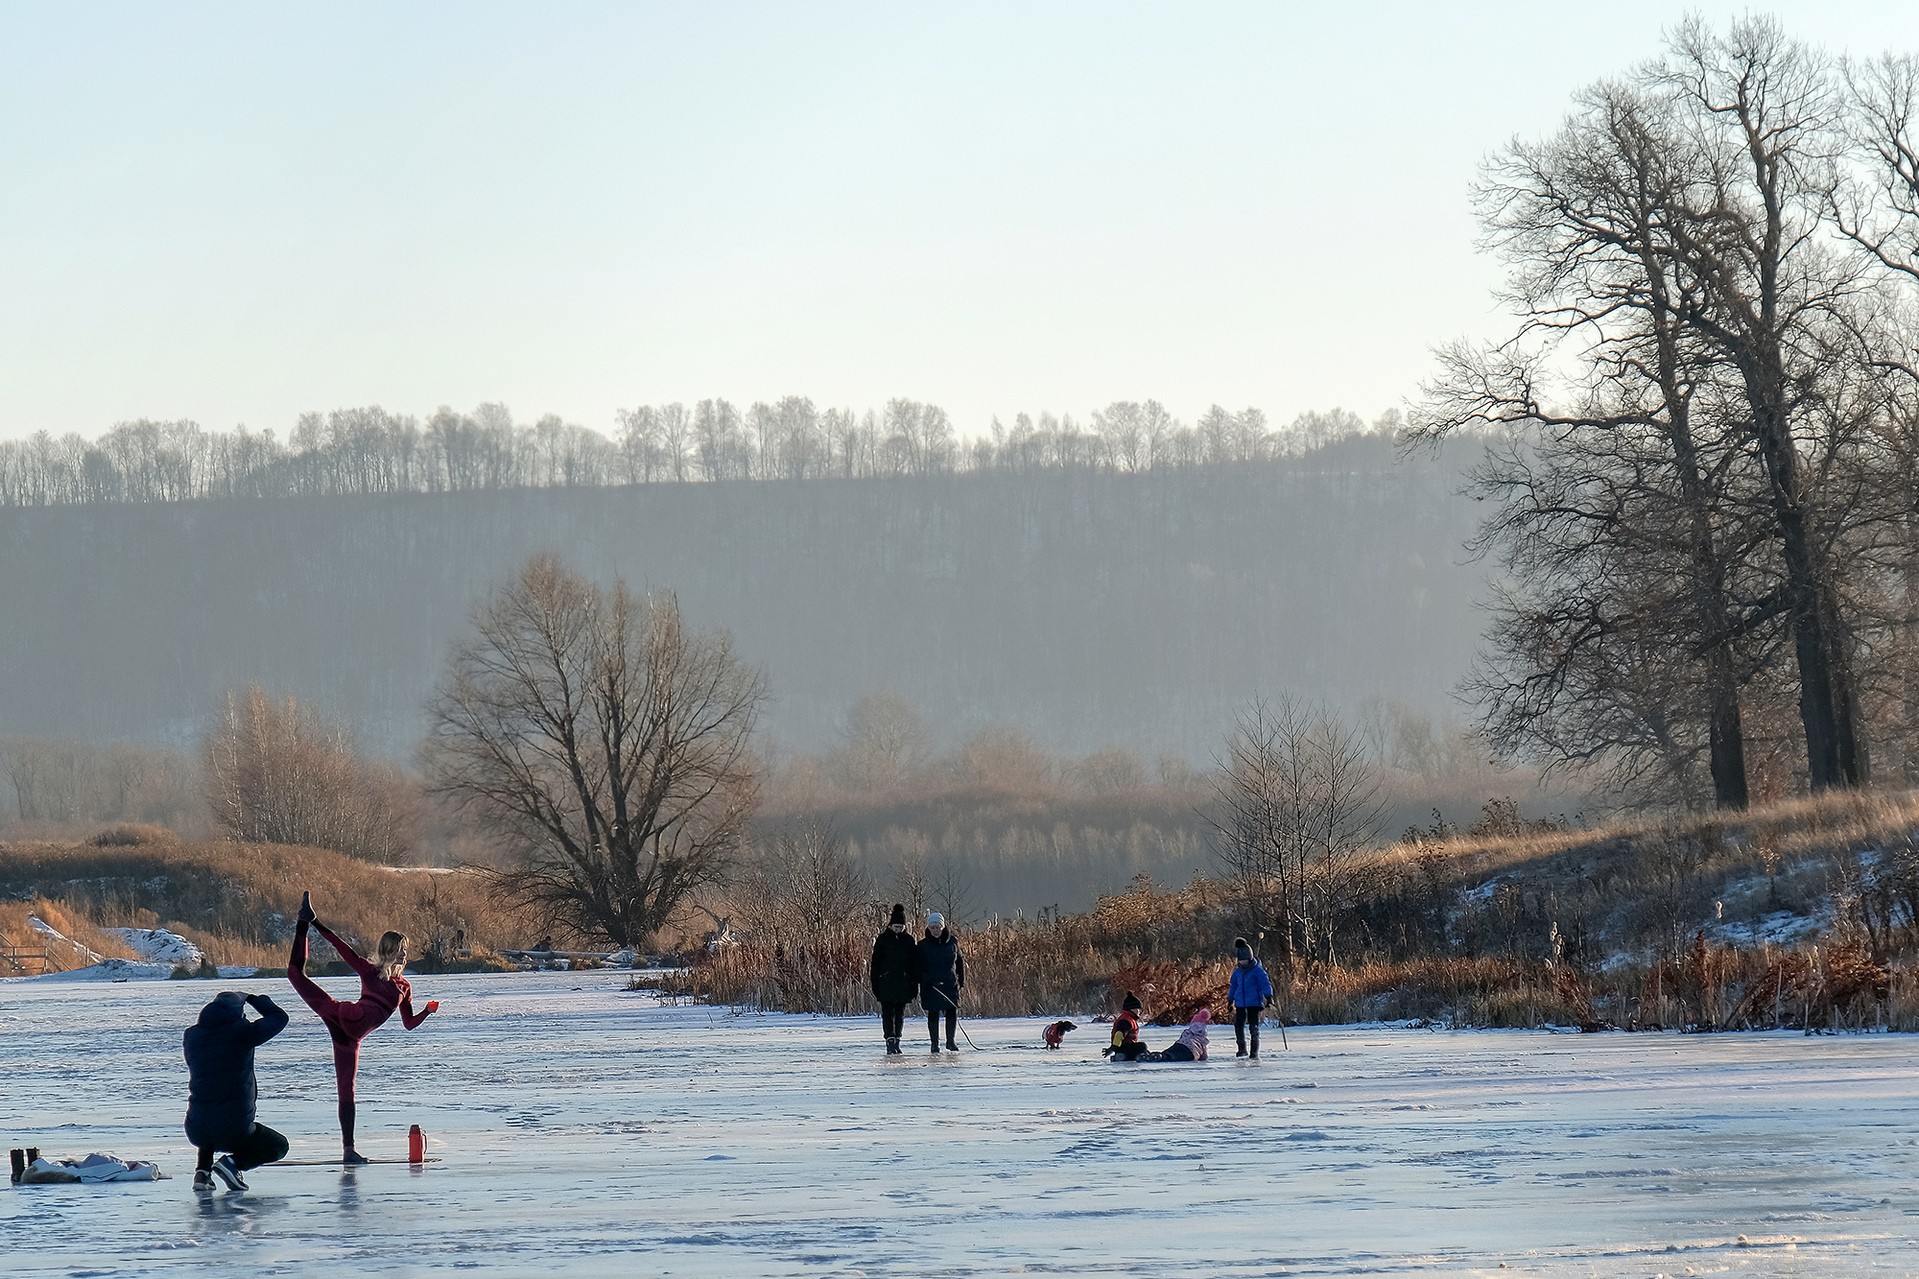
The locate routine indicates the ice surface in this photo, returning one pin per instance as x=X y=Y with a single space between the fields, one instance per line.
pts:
x=588 y=1131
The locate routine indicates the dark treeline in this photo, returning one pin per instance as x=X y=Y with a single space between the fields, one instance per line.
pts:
x=368 y=450
x=1092 y=608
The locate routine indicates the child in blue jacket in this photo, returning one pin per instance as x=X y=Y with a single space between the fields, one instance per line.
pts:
x=1250 y=992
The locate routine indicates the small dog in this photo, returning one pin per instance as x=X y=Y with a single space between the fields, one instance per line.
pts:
x=1056 y=1032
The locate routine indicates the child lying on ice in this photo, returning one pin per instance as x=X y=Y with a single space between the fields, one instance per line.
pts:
x=1191 y=1045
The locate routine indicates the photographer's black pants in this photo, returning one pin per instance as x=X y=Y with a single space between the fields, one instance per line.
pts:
x=261 y=1146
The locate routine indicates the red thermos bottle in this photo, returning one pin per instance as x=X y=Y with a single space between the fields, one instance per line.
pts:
x=415 y=1145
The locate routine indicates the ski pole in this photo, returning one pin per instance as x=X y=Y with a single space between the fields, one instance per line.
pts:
x=961 y=1025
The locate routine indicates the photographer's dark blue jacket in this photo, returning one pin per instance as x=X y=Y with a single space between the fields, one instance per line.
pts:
x=221 y=1088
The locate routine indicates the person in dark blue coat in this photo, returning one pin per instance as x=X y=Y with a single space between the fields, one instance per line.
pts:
x=221 y=1089
x=942 y=977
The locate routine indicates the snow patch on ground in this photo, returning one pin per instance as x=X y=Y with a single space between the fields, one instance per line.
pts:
x=159 y=946
x=58 y=938
x=1483 y=893
x=1780 y=928
x=97 y=967
x=109 y=970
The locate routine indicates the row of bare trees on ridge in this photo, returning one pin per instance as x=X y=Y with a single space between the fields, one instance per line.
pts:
x=369 y=450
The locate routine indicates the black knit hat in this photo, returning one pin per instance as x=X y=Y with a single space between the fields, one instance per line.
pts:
x=1130 y=1003
x=1241 y=951
x=899 y=914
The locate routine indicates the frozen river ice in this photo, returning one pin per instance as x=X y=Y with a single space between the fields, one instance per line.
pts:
x=586 y=1131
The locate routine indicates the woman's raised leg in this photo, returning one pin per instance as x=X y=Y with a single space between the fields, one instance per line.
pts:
x=318 y=1000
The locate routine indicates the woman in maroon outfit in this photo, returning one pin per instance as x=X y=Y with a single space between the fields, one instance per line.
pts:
x=382 y=990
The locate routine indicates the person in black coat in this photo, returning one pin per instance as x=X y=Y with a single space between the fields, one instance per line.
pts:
x=895 y=976
x=221 y=1089
x=942 y=977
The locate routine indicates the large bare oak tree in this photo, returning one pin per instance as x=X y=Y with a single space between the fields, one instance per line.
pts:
x=607 y=741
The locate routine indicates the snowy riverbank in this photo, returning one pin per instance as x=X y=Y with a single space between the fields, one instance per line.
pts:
x=586 y=1130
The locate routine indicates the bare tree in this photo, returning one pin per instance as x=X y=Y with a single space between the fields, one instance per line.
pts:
x=1002 y=757
x=911 y=884
x=1297 y=807
x=1676 y=511
x=608 y=741
x=804 y=888
x=279 y=773
x=1778 y=304
x=885 y=741
x=951 y=892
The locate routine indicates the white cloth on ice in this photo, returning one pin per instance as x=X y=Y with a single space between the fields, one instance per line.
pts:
x=94 y=1168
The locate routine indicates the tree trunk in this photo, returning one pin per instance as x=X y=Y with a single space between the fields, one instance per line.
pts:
x=1828 y=706
x=1726 y=738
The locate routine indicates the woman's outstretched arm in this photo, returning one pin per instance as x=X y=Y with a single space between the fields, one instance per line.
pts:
x=410 y=1019
x=353 y=958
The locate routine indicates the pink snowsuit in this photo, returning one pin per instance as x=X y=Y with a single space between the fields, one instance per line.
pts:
x=1194 y=1036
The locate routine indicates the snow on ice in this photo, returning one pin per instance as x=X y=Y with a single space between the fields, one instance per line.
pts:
x=585 y=1130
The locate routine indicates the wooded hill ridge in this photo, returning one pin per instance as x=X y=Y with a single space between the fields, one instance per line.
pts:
x=1094 y=608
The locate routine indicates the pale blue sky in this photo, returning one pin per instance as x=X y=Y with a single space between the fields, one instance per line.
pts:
x=236 y=212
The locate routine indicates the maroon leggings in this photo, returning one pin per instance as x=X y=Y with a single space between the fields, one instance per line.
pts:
x=347 y=1024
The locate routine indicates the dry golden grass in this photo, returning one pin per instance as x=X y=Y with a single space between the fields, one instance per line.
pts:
x=237 y=901
x=1790 y=828
x=15 y=930
x=1638 y=878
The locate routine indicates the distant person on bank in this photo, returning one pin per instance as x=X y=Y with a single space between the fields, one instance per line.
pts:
x=222 y=1090
x=895 y=976
x=942 y=976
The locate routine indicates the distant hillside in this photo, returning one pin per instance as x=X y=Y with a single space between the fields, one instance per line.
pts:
x=1092 y=608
